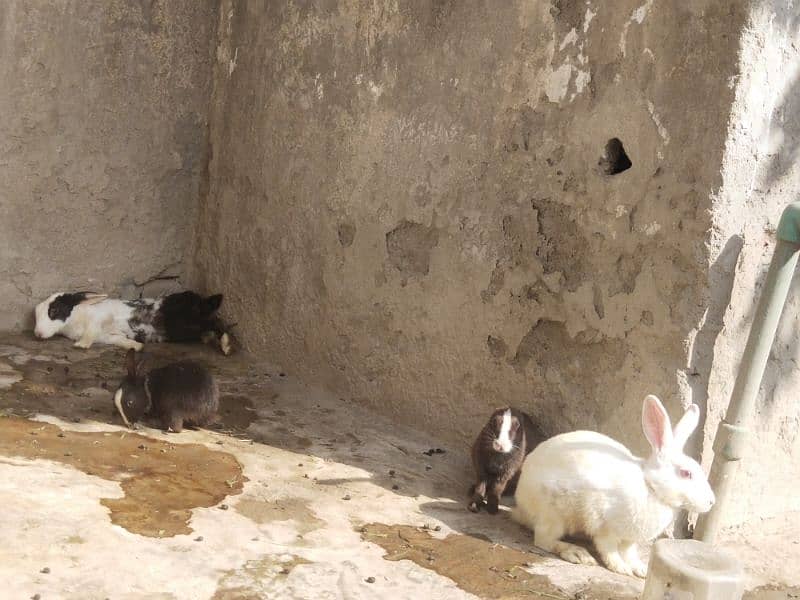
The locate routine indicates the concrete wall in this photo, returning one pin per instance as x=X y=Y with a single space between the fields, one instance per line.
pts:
x=102 y=142
x=761 y=174
x=409 y=203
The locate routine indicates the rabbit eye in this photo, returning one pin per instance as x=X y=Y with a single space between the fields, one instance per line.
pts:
x=685 y=473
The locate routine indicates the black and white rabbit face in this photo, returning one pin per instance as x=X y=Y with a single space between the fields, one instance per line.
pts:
x=504 y=426
x=53 y=313
x=131 y=400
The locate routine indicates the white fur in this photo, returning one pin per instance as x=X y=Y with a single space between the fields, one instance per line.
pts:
x=585 y=483
x=100 y=320
x=118 y=404
x=504 y=437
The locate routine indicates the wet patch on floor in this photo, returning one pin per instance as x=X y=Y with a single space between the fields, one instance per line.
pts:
x=162 y=482
x=236 y=412
x=773 y=592
x=477 y=566
x=248 y=583
x=285 y=509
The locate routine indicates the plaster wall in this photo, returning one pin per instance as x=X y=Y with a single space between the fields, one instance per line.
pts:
x=409 y=202
x=761 y=174
x=103 y=140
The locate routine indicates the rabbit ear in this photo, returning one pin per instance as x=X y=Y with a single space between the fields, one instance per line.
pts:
x=92 y=298
x=684 y=428
x=130 y=362
x=213 y=303
x=656 y=425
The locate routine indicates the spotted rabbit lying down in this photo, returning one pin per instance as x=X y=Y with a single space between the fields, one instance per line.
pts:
x=86 y=318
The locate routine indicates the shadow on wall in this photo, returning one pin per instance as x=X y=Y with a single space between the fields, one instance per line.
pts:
x=722 y=276
x=785 y=117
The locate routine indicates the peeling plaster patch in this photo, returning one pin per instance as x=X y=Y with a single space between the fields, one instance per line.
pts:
x=662 y=131
x=620 y=210
x=640 y=13
x=570 y=38
x=637 y=16
x=652 y=228
x=581 y=81
x=232 y=62
x=557 y=84
x=376 y=89
x=318 y=87
x=590 y=14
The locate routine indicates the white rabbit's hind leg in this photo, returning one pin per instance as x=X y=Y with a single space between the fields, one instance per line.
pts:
x=609 y=549
x=547 y=536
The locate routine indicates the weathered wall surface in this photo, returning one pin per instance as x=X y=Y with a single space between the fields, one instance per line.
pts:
x=103 y=140
x=761 y=174
x=409 y=203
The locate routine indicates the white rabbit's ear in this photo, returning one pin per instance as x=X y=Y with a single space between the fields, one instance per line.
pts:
x=655 y=424
x=91 y=298
x=685 y=427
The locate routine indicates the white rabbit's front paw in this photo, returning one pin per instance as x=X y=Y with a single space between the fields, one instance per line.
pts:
x=639 y=569
x=615 y=562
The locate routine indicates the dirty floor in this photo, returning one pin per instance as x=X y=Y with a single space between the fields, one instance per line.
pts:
x=294 y=494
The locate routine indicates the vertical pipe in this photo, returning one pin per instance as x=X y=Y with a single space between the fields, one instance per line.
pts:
x=729 y=443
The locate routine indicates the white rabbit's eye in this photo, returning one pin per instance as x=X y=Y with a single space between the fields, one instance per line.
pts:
x=685 y=473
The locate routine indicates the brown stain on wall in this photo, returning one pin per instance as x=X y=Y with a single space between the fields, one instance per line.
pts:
x=162 y=482
x=477 y=566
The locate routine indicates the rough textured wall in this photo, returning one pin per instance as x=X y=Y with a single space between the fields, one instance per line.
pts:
x=761 y=174
x=409 y=201
x=103 y=141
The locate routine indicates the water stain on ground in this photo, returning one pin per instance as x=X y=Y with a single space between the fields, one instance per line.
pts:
x=285 y=509
x=162 y=482
x=773 y=592
x=236 y=411
x=247 y=583
x=477 y=566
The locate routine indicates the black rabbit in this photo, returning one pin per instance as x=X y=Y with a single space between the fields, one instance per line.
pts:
x=179 y=393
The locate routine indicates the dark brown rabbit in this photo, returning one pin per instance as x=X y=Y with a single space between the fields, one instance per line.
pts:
x=498 y=454
x=177 y=394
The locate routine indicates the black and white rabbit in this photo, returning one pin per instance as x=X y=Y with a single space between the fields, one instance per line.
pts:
x=179 y=393
x=86 y=318
x=497 y=456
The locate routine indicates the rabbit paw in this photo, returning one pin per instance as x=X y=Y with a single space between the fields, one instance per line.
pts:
x=615 y=563
x=639 y=569
x=577 y=555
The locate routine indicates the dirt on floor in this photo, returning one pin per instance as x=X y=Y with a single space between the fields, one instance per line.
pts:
x=293 y=494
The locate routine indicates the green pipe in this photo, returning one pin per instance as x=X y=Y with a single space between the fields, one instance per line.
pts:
x=732 y=435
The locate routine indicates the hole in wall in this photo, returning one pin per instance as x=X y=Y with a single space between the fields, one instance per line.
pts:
x=615 y=159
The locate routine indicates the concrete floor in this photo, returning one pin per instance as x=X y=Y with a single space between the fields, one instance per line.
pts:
x=297 y=494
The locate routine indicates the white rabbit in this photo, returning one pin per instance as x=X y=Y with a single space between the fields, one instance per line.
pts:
x=86 y=318
x=584 y=483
